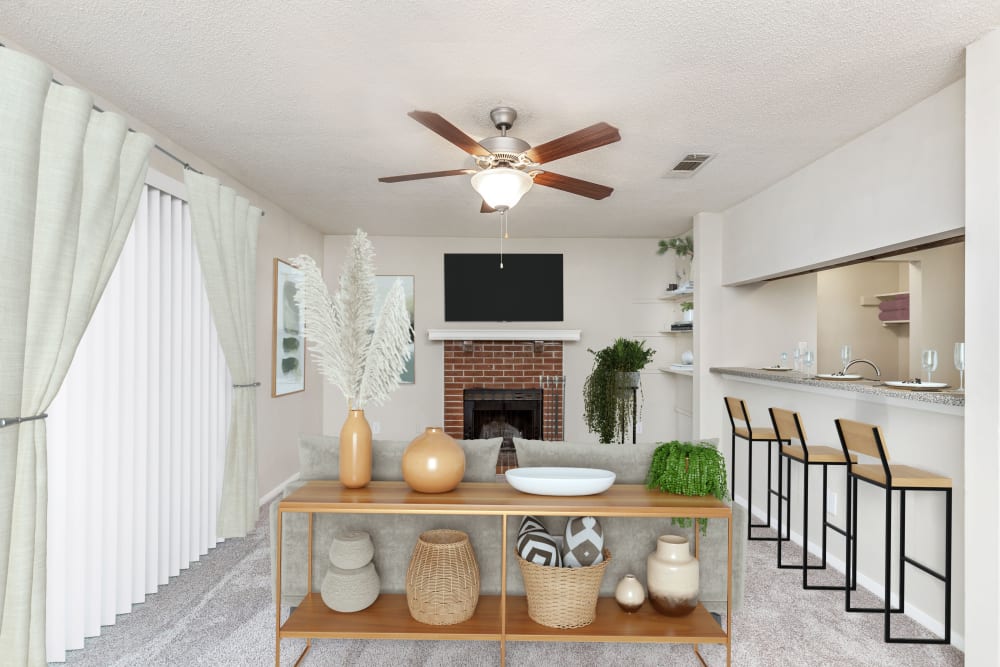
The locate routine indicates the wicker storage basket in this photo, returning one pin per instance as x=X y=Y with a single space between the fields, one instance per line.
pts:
x=442 y=581
x=562 y=597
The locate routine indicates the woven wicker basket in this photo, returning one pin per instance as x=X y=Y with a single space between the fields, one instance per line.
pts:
x=442 y=581
x=562 y=597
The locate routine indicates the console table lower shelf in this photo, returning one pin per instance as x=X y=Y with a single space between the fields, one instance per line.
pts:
x=389 y=618
x=497 y=617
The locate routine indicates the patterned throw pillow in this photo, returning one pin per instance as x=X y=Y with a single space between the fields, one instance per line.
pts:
x=530 y=523
x=583 y=543
x=535 y=545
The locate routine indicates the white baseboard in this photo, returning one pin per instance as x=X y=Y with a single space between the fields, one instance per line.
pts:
x=276 y=491
x=914 y=612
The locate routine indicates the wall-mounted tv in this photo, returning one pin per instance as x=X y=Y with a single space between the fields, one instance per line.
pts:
x=529 y=288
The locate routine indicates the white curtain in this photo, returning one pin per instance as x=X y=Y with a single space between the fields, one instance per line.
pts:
x=225 y=233
x=148 y=392
x=70 y=180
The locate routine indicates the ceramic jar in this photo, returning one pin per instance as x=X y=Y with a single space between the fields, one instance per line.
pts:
x=672 y=576
x=351 y=583
x=433 y=462
x=629 y=594
x=356 y=451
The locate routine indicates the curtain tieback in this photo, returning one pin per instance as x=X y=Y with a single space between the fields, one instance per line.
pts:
x=245 y=386
x=10 y=421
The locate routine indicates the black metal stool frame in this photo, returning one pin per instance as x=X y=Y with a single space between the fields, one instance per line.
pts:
x=732 y=473
x=785 y=493
x=851 y=574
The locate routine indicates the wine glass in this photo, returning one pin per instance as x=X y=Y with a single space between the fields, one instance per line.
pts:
x=929 y=362
x=845 y=355
x=809 y=358
x=960 y=364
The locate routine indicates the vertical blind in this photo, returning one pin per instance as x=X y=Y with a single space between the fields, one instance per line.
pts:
x=137 y=434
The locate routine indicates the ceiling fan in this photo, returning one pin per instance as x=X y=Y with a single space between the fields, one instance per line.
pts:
x=508 y=166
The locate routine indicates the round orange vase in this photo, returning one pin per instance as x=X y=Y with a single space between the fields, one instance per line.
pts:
x=356 y=451
x=433 y=462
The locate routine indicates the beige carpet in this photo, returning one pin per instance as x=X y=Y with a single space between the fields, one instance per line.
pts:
x=220 y=613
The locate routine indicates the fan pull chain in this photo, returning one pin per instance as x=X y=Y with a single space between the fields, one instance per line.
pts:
x=503 y=219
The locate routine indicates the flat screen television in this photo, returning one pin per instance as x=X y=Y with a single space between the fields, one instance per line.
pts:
x=528 y=289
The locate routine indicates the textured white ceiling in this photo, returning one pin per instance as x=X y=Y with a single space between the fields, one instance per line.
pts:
x=305 y=101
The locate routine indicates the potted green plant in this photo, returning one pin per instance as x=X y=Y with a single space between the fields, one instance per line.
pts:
x=683 y=246
x=688 y=469
x=609 y=402
x=687 y=309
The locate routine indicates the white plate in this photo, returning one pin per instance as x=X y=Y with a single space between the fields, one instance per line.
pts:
x=834 y=376
x=560 y=481
x=917 y=386
x=774 y=368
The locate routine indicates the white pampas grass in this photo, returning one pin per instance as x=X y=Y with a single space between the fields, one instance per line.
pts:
x=359 y=353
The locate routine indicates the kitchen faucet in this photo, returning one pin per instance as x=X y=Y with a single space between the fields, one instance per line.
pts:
x=878 y=373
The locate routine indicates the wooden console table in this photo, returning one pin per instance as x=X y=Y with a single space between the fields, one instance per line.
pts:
x=497 y=617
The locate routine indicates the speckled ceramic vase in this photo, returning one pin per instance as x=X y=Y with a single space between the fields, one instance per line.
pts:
x=433 y=462
x=356 y=451
x=630 y=594
x=672 y=577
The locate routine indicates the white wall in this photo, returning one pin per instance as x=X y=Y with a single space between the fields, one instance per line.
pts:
x=982 y=331
x=937 y=308
x=899 y=182
x=610 y=287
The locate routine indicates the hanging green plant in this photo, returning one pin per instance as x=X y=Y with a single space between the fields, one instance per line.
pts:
x=607 y=392
x=688 y=469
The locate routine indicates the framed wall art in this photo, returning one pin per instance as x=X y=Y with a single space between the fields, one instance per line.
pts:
x=288 y=345
x=382 y=286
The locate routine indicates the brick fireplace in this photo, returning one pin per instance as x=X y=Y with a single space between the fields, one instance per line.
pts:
x=522 y=373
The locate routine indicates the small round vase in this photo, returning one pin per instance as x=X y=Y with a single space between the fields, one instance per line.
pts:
x=672 y=577
x=433 y=462
x=629 y=594
x=350 y=590
x=356 y=451
x=352 y=549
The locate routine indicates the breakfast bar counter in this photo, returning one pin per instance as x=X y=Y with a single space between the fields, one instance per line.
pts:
x=924 y=429
x=944 y=401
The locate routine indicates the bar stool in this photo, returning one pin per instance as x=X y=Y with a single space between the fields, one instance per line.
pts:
x=867 y=439
x=788 y=427
x=737 y=409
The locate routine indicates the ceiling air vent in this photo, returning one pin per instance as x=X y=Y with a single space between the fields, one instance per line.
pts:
x=690 y=164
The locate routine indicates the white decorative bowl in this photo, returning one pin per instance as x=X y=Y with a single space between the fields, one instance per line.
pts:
x=560 y=481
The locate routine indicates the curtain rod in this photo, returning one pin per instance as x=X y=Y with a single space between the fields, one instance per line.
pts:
x=187 y=166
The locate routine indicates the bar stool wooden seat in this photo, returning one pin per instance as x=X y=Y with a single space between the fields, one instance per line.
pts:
x=788 y=427
x=737 y=409
x=867 y=439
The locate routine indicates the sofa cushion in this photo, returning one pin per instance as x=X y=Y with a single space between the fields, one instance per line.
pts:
x=318 y=458
x=630 y=463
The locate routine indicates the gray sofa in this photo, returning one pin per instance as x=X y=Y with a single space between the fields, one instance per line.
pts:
x=630 y=540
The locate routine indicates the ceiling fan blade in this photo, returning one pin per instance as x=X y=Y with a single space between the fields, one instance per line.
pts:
x=486 y=208
x=436 y=123
x=594 y=136
x=573 y=185
x=428 y=174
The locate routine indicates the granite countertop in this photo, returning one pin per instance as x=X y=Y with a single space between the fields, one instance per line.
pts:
x=870 y=387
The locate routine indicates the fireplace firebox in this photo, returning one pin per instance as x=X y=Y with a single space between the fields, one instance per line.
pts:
x=504 y=413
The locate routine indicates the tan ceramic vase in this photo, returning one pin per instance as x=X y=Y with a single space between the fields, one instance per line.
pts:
x=672 y=577
x=433 y=462
x=356 y=451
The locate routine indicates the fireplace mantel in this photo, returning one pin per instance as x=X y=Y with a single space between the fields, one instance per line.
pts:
x=504 y=334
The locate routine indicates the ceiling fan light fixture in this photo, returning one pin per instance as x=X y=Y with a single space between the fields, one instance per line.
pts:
x=501 y=187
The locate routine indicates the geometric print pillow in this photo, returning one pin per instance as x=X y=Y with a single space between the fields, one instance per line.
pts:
x=535 y=545
x=583 y=542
